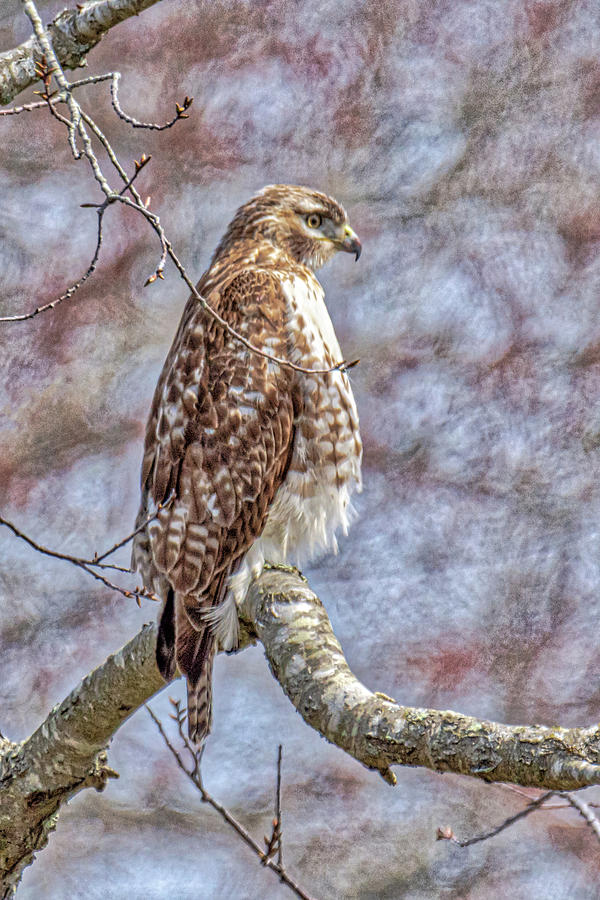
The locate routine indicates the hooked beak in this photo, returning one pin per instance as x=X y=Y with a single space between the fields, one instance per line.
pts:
x=350 y=242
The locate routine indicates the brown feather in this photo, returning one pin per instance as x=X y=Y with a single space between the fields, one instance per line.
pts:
x=225 y=422
x=165 y=642
x=195 y=648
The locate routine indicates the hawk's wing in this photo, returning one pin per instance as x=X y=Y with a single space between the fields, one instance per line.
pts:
x=218 y=443
x=219 y=436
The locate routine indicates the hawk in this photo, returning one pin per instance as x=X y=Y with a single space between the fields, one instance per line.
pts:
x=245 y=459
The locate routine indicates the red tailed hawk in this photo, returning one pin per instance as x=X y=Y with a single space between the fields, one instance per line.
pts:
x=259 y=460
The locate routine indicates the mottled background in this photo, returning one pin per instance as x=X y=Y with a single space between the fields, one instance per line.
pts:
x=464 y=139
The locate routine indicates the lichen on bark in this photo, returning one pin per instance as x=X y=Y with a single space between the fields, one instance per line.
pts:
x=67 y=753
x=74 y=32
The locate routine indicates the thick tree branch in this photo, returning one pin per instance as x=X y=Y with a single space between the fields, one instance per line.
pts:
x=74 y=32
x=67 y=752
x=307 y=660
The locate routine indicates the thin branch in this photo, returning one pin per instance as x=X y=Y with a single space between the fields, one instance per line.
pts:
x=539 y=803
x=97 y=559
x=87 y=565
x=584 y=809
x=548 y=807
x=58 y=98
x=74 y=287
x=274 y=842
x=135 y=123
x=278 y=809
x=194 y=776
x=76 y=124
x=27 y=107
x=446 y=834
x=110 y=152
x=180 y=717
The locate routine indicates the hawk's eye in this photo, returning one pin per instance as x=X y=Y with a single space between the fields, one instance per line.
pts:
x=313 y=220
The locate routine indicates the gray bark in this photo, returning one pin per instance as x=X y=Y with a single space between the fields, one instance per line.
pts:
x=73 y=34
x=68 y=751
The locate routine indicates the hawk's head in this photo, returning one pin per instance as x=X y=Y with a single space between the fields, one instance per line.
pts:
x=308 y=225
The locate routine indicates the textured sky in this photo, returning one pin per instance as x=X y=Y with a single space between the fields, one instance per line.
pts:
x=463 y=138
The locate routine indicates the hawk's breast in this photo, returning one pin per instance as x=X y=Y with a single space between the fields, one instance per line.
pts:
x=314 y=499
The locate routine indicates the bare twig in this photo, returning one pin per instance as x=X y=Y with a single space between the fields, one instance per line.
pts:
x=74 y=287
x=114 y=160
x=97 y=559
x=180 y=717
x=273 y=843
x=87 y=565
x=539 y=803
x=194 y=775
x=548 y=807
x=57 y=98
x=114 y=78
x=90 y=79
x=27 y=107
x=446 y=834
x=278 y=809
x=76 y=124
x=135 y=123
x=584 y=809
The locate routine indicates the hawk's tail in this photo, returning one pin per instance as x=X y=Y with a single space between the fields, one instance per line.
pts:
x=185 y=639
x=195 y=649
x=165 y=642
x=199 y=695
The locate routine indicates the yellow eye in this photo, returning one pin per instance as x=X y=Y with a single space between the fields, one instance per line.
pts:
x=313 y=220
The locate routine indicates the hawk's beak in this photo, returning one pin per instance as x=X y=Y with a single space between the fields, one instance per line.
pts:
x=350 y=242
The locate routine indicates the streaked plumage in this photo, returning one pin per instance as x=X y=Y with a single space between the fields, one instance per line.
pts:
x=260 y=461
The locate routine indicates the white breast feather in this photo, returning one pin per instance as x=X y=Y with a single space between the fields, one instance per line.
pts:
x=314 y=500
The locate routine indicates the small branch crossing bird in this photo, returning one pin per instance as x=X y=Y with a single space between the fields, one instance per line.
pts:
x=249 y=459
